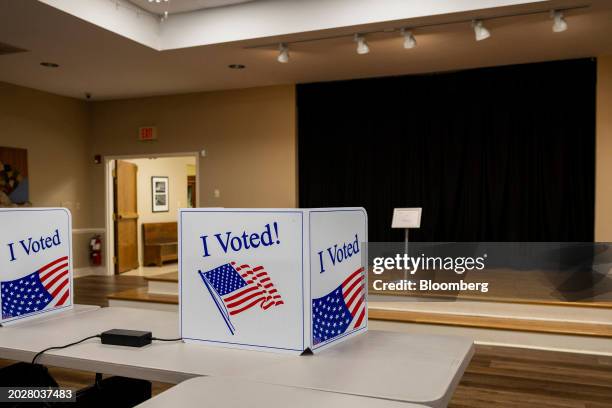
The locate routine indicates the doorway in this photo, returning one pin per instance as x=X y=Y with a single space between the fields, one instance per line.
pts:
x=144 y=194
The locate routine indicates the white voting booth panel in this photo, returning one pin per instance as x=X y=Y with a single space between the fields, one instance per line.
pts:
x=35 y=262
x=282 y=280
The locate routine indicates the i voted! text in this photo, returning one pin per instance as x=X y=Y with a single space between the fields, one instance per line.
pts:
x=232 y=242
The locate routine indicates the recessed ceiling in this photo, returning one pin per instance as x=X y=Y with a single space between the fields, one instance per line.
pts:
x=182 y=6
x=110 y=66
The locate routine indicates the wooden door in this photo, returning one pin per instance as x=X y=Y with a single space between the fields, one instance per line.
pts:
x=191 y=191
x=126 y=217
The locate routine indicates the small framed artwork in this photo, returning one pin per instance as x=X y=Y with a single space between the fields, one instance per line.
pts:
x=159 y=192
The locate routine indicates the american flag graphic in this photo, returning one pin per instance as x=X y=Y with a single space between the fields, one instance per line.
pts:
x=341 y=310
x=45 y=288
x=236 y=289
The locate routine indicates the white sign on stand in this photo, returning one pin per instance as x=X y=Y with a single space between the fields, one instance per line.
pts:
x=282 y=280
x=35 y=262
x=406 y=218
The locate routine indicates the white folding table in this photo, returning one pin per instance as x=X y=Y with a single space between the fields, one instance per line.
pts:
x=170 y=362
x=423 y=369
x=233 y=393
x=397 y=366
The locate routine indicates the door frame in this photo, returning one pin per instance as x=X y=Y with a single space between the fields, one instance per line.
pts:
x=109 y=196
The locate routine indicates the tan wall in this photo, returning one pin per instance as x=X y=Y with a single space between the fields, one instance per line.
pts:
x=80 y=247
x=176 y=169
x=603 y=177
x=249 y=136
x=55 y=130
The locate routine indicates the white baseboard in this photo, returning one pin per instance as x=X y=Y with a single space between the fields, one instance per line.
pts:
x=88 y=271
x=88 y=231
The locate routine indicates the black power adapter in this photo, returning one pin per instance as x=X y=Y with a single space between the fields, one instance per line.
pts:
x=130 y=338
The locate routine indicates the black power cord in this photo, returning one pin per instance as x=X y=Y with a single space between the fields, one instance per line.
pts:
x=62 y=347
x=158 y=339
x=88 y=338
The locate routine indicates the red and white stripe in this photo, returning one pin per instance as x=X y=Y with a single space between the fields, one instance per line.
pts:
x=56 y=279
x=259 y=291
x=353 y=291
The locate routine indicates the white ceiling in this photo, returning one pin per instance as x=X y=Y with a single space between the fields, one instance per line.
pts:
x=182 y=6
x=110 y=66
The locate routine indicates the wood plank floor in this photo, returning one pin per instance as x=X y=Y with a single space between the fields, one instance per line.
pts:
x=496 y=376
x=94 y=290
x=510 y=377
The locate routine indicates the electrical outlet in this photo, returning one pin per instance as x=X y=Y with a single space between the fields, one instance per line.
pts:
x=217 y=193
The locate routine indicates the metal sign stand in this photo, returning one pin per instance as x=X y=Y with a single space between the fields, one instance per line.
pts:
x=406 y=218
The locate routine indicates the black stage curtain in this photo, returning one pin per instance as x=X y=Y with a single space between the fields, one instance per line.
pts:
x=493 y=154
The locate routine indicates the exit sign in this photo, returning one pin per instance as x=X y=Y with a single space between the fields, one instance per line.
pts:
x=147 y=133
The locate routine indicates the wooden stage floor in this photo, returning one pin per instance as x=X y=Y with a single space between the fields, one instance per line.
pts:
x=496 y=376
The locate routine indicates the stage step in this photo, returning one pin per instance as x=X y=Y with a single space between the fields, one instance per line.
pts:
x=142 y=299
x=597 y=304
x=163 y=284
x=488 y=322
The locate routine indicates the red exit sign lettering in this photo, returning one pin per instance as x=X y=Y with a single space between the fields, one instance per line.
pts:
x=147 y=133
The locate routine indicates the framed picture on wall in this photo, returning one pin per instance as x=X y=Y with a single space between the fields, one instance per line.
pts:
x=159 y=194
x=14 y=181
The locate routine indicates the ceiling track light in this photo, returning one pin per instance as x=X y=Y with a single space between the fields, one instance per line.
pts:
x=362 y=45
x=480 y=31
x=283 y=53
x=559 y=23
x=409 y=40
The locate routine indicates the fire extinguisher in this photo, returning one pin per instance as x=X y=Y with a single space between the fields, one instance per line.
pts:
x=95 y=250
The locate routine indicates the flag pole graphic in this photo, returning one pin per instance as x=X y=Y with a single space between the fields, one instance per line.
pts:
x=214 y=297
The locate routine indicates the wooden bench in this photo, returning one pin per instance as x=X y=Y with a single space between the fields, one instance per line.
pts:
x=160 y=242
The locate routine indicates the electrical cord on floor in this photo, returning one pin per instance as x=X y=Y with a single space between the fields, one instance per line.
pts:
x=63 y=347
x=158 y=339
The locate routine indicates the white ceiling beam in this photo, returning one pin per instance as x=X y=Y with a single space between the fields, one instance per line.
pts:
x=118 y=16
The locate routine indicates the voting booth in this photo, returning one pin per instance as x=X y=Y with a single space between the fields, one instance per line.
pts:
x=283 y=280
x=35 y=262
